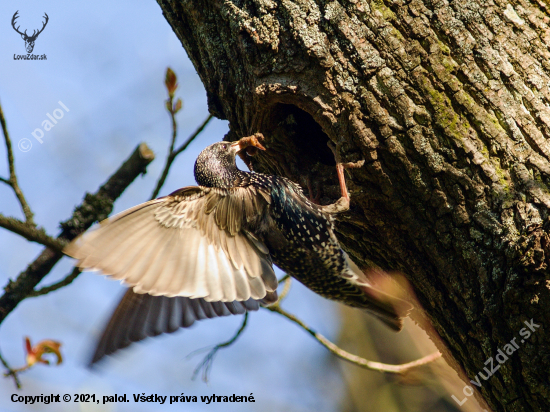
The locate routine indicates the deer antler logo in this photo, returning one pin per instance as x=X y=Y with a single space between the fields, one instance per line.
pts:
x=29 y=40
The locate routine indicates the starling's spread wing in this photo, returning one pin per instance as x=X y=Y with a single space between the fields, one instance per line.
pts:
x=192 y=243
x=139 y=316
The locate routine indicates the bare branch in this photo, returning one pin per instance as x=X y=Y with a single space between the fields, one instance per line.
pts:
x=356 y=360
x=94 y=208
x=12 y=181
x=31 y=232
x=10 y=372
x=66 y=281
x=208 y=360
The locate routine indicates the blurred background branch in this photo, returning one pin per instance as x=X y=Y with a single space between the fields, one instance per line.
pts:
x=206 y=363
x=10 y=372
x=12 y=180
x=64 y=282
x=356 y=360
x=30 y=232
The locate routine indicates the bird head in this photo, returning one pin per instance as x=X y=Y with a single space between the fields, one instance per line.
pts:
x=216 y=167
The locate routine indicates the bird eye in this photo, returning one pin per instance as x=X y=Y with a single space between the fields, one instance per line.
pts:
x=224 y=146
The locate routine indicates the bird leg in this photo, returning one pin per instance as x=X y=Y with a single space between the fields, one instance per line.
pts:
x=342 y=204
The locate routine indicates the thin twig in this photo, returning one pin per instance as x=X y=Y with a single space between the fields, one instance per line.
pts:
x=285 y=277
x=66 y=281
x=10 y=372
x=356 y=360
x=208 y=360
x=31 y=232
x=12 y=181
x=174 y=125
x=286 y=288
x=172 y=154
x=170 y=158
x=192 y=137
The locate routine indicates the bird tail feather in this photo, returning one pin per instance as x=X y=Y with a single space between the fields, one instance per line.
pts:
x=387 y=307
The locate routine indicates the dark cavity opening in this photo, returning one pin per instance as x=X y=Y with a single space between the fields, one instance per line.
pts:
x=305 y=134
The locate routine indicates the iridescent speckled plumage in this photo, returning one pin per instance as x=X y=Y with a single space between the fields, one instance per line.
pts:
x=207 y=250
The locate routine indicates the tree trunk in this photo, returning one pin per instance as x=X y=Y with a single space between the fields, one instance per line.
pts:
x=449 y=105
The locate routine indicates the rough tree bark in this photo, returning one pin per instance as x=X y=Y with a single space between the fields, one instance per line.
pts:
x=449 y=104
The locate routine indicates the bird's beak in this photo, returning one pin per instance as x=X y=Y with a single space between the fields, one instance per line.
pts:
x=235 y=147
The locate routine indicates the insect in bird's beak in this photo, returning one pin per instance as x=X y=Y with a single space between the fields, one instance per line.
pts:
x=248 y=143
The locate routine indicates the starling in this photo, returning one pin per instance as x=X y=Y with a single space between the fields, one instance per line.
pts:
x=206 y=251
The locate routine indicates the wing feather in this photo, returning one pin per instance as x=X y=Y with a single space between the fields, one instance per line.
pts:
x=227 y=277
x=213 y=279
x=158 y=266
x=138 y=316
x=192 y=243
x=136 y=268
x=171 y=279
x=107 y=256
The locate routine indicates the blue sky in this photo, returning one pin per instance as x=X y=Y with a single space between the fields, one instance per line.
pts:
x=106 y=63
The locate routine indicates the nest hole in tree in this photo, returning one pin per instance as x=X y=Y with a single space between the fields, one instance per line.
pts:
x=307 y=136
x=298 y=149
